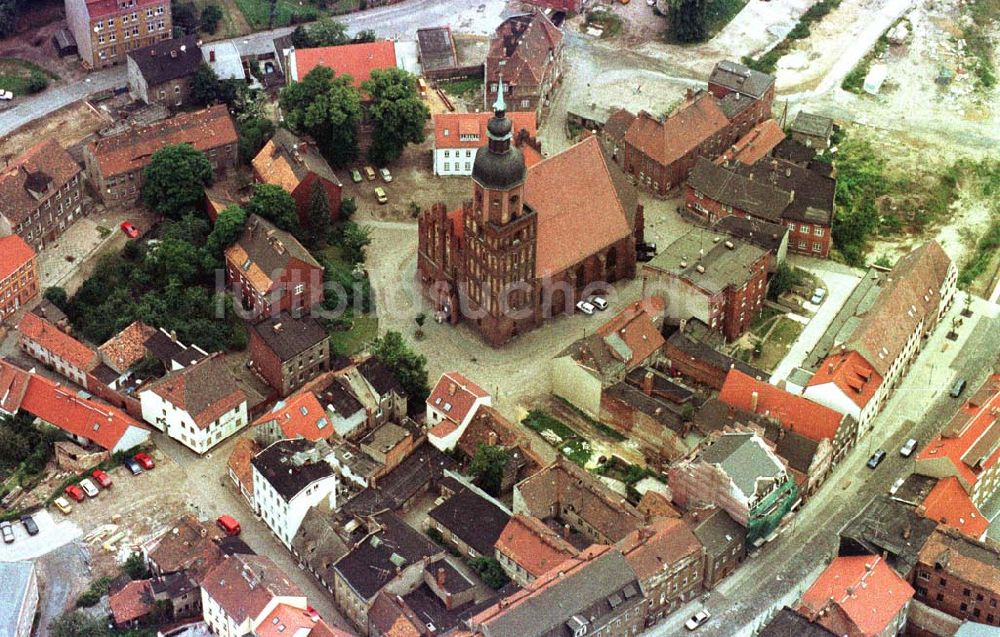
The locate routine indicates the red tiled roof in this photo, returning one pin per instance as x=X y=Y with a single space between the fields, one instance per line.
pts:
x=239 y=461
x=454 y=395
x=864 y=588
x=755 y=145
x=531 y=156
x=133 y=601
x=579 y=212
x=287 y=621
x=13 y=384
x=533 y=545
x=684 y=130
x=128 y=347
x=798 y=414
x=14 y=253
x=529 y=48
x=660 y=546
x=950 y=505
x=101 y=8
x=60 y=406
x=851 y=373
x=969 y=444
x=301 y=415
x=356 y=60
x=45 y=159
x=449 y=128
x=244 y=584
x=58 y=342
x=206 y=390
x=635 y=326
x=131 y=151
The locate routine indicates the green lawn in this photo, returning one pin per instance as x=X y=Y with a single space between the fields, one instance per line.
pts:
x=257 y=12
x=776 y=346
x=14 y=75
x=572 y=445
x=363 y=330
x=461 y=88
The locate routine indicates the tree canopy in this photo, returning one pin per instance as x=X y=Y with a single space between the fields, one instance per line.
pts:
x=175 y=180
x=409 y=368
x=328 y=32
x=487 y=467
x=79 y=624
x=328 y=109
x=860 y=183
x=398 y=114
x=254 y=133
x=319 y=213
x=8 y=16
x=275 y=204
x=228 y=228
x=689 y=20
x=211 y=15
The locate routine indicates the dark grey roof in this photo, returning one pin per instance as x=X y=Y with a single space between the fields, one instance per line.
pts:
x=688 y=343
x=887 y=527
x=472 y=518
x=814 y=125
x=703 y=258
x=717 y=531
x=288 y=336
x=437 y=49
x=744 y=459
x=454 y=580
x=380 y=377
x=811 y=193
x=743 y=79
x=167 y=350
x=335 y=395
x=731 y=188
x=104 y=374
x=168 y=60
x=174 y=584
x=734 y=104
x=302 y=156
x=270 y=248
x=762 y=234
x=429 y=608
x=290 y=466
x=50 y=312
x=661 y=410
x=232 y=545
x=423 y=465
x=788 y=623
x=794 y=151
x=617 y=125
x=373 y=562
x=318 y=545
x=499 y=171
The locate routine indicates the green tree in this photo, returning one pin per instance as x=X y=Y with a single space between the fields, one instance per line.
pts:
x=348 y=207
x=328 y=109
x=353 y=240
x=487 y=467
x=228 y=228
x=175 y=180
x=327 y=32
x=37 y=81
x=135 y=567
x=409 y=368
x=184 y=16
x=211 y=15
x=319 y=213
x=174 y=261
x=368 y=35
x=785 y=278
x=254 y=133
x=79 y=624
x=275 y=204
x=56 y=296
x=860 y=184
x=489 y=571
x=398 y=114
x=689 y=20
x=205 y=85
x=8 y=17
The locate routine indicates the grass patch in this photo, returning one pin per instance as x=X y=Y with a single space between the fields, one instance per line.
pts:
x=15 y=75
x=720 y=13
x=986 y=187
x=600 y=426
x=763 y=320
x=230 y=26
x=362 y=331
x=608 y=20
x=466 y=87
x=768 y=62
x=776 y=346
x=855 y=80
x=978 y=43
x=569 y=443
x=287 y=12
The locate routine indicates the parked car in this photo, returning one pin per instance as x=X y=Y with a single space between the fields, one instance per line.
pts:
x=895 y=485
x=381 y=196
x=908 y=448
x=89 y=488
x=133 y=466
x=75 y=492
x=598 y=301
x=386 y=175
x=816 y=298
x=370 y=173
x=29 y=524
x=144 y=461
x=8 y=532
x=102 y=478
x=6 y=95
x=356 y=175
x=63 y=505
x=876 y=459
x=229 y=525
x=585 y=307
x=130 y=231
x=957 y=388
x=697 y=620
x=644 y=257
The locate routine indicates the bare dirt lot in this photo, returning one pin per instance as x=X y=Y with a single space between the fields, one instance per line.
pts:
x=68 y=126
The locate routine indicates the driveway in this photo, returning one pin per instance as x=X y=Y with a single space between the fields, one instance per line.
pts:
x=840 y=281
x=52 y=534
x=62 y=575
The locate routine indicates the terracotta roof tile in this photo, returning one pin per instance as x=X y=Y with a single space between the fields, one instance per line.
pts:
x=681 y=132
x=486 y=421
x=243 y=585
x=578 y=209
x=286 y=620
x=756 y=144
x=851 y=373
x=864 y=588
x=664 y=543
x=14 y=253
x=133 y=601
x=58 y=342
x=45 y=165
x=635 y=327
x=206 y=390
x=795 y=413
x=450 y=127
x=454 y=395
x=187 y=545
x=239 y=461
x=972 y=561
x=949 y=504
x=356 y=60
x=264 y=251
x=286 y=160
x=534 y=546
x=13 y=385
x=128 y=347
x=300 y=416
x=131 y=150
x=524 y=43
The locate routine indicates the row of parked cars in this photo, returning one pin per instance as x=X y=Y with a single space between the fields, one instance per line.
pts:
x=87 y=489
x=380 y=195
x=7 y=529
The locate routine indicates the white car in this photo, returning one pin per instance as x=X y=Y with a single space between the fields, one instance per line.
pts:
x=386 y=175
x=6 y=95
x=599 y=302
x=89 y=488
x=895 y=485
x=908 y=448
x=818 y=295
x=585 y=307
x=699 y=618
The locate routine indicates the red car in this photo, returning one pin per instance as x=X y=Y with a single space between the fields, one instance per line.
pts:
x=130 y=231
x=229 y=525
x=75 y=492
x=102 y=478
x=144 y=461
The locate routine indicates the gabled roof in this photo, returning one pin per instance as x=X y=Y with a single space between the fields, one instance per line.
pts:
x=380 y=377
x=810 y=124
x=58 y=342
x=450 y=128
x=205 y=390
x=740 y=78
x=14 y=253
x=454 y=395
x=127 y=347
x=756 y=144
x=970 y=560
x=949 y=504
x=660 y=546
x=263 y=253
x=299 y=416
x=617 y=124
x=471 y=518
x=243 y=585
x=188 y=545
x=168 y=59
x=13 y=385
x=810 y=193
x=524 y=42
x=286 y=620
x=795 y=413
x=131 y=150
x=356 y=60
x=863 y=588
x=745 y=458
x=286 y=160
x=133 y=601
x=730 y=188
x=579 y=212
x=239 y=461
x=851 y=373
x=533 y=545
x=633 y=335
x=288 y=336
x=43 y=169
x=666 y=141
x=486 y=421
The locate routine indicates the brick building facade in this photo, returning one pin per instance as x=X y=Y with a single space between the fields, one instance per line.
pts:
x=18 y=274
x=525 y=52
x=106 y=30
x=289 y=351
x=958 y=575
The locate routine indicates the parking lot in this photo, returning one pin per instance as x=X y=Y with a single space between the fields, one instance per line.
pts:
x=54 y=531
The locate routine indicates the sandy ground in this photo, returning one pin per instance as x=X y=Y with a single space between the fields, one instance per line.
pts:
x=68 y=126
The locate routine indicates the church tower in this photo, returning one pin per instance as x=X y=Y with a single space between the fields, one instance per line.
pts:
x=500 y=237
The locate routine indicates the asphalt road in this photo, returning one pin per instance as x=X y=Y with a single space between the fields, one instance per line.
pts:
x=919 y=408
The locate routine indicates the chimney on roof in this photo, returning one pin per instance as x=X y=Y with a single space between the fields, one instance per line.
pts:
x=277 y=328
x=788 y=171
x=565 y=531
x=452 y=388
x=173 y=53
x=754 y=398
x=211 y=55
x=491 y=438
x=441 y=577
x=829 y=367
x=906 y=532
x=791 y=196
x=173 y=336
x=647 y=383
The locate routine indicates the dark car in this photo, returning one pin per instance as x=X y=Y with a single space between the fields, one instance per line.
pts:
x=957 y=388
x=133 y=466
x=29 y=524
x=876 y=459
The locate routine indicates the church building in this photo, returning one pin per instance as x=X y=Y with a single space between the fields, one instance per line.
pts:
x=531 y=242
